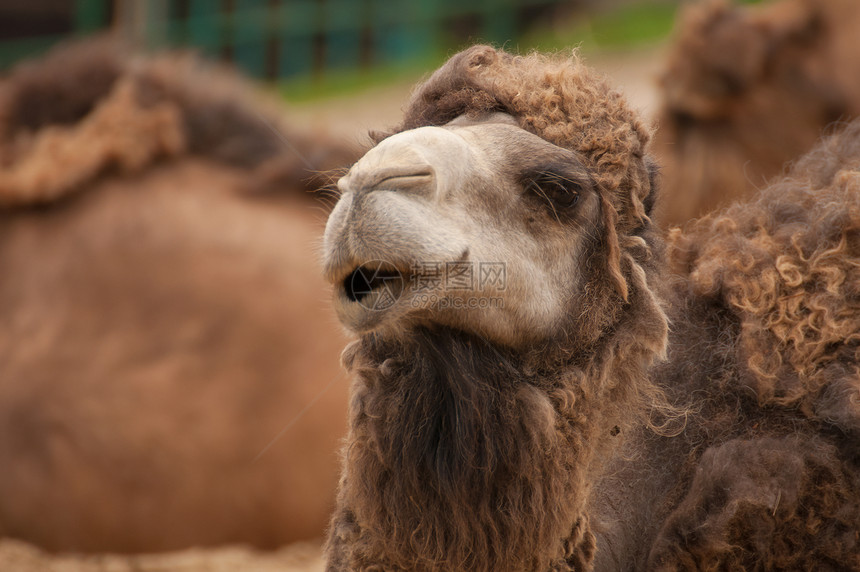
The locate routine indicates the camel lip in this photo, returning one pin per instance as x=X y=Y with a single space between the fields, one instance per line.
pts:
x=386 y=269
x=377 y=292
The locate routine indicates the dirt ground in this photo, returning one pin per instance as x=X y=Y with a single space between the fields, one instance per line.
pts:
x=303 y=557
x=351 y=118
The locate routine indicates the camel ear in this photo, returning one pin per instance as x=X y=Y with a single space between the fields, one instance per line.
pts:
x=788 y=22
x=455 y=89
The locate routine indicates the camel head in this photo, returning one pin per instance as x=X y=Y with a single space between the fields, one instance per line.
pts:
x=475 y=224
x=510 y=204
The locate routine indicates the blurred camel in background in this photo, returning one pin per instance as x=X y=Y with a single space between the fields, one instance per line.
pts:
x=747 y=89
x=169 y=370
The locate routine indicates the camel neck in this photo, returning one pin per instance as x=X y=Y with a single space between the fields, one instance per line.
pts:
x=469 y=458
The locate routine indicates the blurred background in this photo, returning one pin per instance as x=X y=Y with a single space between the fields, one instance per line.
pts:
x=312 y=51
x=169 y=362
x=314 y=46
x=300 y=39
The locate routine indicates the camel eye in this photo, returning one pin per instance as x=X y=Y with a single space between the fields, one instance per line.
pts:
x=559 y=191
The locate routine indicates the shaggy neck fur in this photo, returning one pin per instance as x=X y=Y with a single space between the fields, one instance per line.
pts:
x=467 y=456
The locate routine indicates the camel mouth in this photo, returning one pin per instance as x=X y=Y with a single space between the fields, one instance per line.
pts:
x=374 y=285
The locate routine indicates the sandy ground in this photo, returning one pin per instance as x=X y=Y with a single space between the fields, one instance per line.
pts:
x=304 y=557
x=349 y=117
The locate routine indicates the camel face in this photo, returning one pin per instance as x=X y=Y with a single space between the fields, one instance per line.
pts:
x=477 y=224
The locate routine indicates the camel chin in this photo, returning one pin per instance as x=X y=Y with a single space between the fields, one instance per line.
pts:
x=421 y=234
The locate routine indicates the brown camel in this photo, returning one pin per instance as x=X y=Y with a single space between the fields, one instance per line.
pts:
x=747 y=89
x=579 y=408
x=168 y=363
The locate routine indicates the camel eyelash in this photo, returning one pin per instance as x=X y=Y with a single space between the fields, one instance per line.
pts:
x=559 y=191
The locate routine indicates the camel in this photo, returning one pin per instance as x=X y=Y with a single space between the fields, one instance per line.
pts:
x=590 y=410
x=747 y=89
x=168 y=372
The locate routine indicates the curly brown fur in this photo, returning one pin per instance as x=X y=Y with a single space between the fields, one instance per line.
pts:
x=770 y=473
x=56 y=106
x=747 y=89
x=788 y=266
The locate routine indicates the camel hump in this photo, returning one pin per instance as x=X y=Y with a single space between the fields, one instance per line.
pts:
x=787 y=265
x=92 y=107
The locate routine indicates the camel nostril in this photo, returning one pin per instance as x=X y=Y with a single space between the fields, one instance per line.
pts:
x=405 y=180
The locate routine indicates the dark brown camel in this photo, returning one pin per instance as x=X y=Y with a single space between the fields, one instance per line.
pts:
x=589 y=411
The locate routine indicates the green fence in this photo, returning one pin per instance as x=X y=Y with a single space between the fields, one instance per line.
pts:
x=279 y=39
